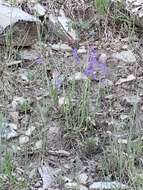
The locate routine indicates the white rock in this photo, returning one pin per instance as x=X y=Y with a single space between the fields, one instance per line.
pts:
x=103 y=58
x=124 y=80
x=126 y=56
x=29 y=131
x=132 y=100
x=83 y=177
x=71 y=185
x=39 y=9
x=61 y=47
x=63 y=20
x=82 y=187
x=23 y=139
x=47 y=176
x=61 y=23
x=81 y=50
x=124 y=117
x=8 y=131
x=77 y=77
x=74 y=185
x=125 y=47
x=24 y=75
x=122 y=141
x=38 y=144
x=107 y=185
x=135 y=8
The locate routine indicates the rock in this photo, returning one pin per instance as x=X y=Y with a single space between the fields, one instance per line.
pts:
x=78 y=76
x=107 y=83
x=47 y=176
x=124 y=80
x=82 y=187
x=125 y=47
x=24 y=76
x=82 y=50
x=135 y=8
x=124 y=117
x=39 y=9
x=74 y=185
x=71 y=185
x=123 y=141
x=21 y=25
x=107 y=185
x=61 y=47
x=8 y=131
x=29 y=131
x=83 y=177
x=102 y=58
x=132 y=100
x=38 y=144
x=59 y=26
x=126 y=56
x=29 y=54
x=23 y=139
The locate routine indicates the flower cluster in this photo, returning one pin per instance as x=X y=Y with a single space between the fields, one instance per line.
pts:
x=94 y=64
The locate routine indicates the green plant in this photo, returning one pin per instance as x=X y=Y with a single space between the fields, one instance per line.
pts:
x=24 y=106
x=89 y=146
x=7 y=166
x=76 y=113
x=8 y=179
x=102 y=6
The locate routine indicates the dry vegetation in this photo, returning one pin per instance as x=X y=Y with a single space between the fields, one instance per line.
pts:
x=71 y=115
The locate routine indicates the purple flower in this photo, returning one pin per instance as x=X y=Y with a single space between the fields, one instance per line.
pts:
x=103 y=68
x=94 y=64
x=75 y=55
x=92 y=58
x=58 y=83
x=89 y=71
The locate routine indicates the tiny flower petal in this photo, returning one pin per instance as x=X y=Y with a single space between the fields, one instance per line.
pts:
x=75 y=55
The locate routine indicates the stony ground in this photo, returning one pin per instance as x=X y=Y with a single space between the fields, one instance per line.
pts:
x=62 y=128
